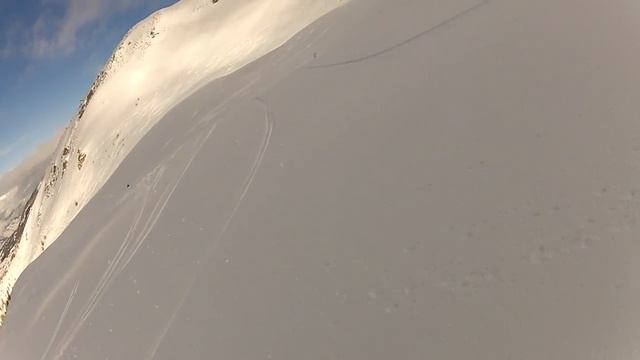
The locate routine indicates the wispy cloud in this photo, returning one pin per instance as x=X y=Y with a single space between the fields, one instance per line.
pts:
x=50 y=38
x=57 y=28
x=8 y=149
x=5 y=150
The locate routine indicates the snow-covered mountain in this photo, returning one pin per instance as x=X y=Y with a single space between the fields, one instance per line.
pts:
x=160 y=62
x=410 y=179
x=18 y=188
x=18 y=184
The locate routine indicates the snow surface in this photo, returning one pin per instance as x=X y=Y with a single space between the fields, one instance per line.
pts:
x=402 y=179
x=159 y=62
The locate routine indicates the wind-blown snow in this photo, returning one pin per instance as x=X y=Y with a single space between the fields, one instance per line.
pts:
x=160 y=61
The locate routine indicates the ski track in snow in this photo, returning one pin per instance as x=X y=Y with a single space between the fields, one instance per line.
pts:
x=269 y=124
x=269 y=127
x=168 y=192
x=129 y=248
x=130 y=245
x=405 y=42
x=69 y=273
x=220 y=43
x=62 y=317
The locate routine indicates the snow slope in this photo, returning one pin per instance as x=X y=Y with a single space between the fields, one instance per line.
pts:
x=159 y=62
x=403 y=179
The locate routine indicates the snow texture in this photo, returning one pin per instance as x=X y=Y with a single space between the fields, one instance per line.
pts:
x=401 y=179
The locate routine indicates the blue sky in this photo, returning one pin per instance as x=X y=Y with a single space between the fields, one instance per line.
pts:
x=50 y=53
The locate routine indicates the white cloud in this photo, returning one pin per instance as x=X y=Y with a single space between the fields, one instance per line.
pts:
x=50 y=38
x=7 y=149
x=57 y=32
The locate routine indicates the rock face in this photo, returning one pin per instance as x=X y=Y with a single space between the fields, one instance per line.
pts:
x=399 y=180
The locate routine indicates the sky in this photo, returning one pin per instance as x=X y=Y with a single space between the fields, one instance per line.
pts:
x=50 y=53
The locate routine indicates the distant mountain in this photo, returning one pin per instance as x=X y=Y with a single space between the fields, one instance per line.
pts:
x=18 y=190
x=17 y=185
